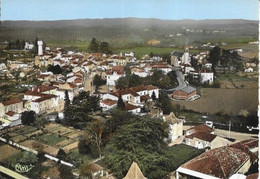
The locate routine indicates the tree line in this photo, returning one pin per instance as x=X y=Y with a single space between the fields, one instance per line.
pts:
x=158 y=79
x=101 y=47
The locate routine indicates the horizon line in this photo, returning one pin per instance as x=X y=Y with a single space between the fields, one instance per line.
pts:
x=127 y=18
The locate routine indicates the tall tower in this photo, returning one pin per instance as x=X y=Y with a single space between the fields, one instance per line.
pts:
x=186 y=55
x=40 y=50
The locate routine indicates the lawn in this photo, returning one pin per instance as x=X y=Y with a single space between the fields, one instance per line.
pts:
x=50 y=139
x=182 y=153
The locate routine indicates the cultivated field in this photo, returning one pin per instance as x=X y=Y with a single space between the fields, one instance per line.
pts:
x=228 y=101
x=7 y=151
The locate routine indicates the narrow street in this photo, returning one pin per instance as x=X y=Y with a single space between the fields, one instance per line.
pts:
x=181 y=81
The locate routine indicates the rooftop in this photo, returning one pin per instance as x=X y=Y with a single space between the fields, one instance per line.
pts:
x=129 y=107
x=221 y=162
x=203 y=136
x=201 y=128
x=109 y=102
x=188 y=89
x=11 y=101
x=134 y=172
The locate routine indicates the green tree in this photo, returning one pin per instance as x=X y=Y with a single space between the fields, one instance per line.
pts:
x=98 y=81
x=55 y=69
x=77 y=113
x=67 y=100
x=35 y=48
x=118 y=118
x=93 y=46
x=85 y=170
x=214 y=56
x=84 y=146
x=122 y=83
x=28 y=158
x=28 y=117
x=132 y=142
x=134 y=80
x=153 y=96
x=65 y=172
x=120 y=103
x=61 y=154
x=104 y=48
x=93 y=134
x=164 y=103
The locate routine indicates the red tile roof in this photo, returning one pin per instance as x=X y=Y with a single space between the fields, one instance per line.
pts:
x=245 y=146
x=32 y=93
x=151 y=87
x=10 y=113
x=252 y=176
x=12 y=101
x=201 y=128
x=220 y=162
x=43 y=88
x=144 y=98
x=129 y=107
x=109 y=102
x=139 y=88
x=249 y=144
x=203 y=136
x=45 y=97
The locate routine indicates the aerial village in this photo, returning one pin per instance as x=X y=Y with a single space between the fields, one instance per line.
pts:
x=55 y=127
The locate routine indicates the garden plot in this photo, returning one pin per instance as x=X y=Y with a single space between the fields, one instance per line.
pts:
x=7 y=151
x=26 y=130
x=70 y=146
x=45 y=148
x=50 y=139
x=18 y=138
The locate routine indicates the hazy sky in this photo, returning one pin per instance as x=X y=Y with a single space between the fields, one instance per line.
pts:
x=161 y=9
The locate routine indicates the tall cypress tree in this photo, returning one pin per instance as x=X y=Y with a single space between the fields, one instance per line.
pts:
x=120 y=103
x=67 y=100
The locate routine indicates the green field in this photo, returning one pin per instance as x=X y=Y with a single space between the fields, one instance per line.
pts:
x=80 y=45
x=50 y=139
x=140 y=51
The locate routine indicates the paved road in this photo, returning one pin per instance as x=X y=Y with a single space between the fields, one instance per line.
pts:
x=11 y=173
x=182 y=83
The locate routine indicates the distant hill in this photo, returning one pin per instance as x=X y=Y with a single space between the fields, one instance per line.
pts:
x=128 y=31
x=133 y=22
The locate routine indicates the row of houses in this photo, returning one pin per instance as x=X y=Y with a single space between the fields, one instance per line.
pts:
x=134 y=98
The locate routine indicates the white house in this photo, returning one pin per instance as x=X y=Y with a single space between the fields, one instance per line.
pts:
x=113 y=75
x=206 y=77
x=28 y=46
x=108 y=104
x=175 y=126
x=163 y=67
x=132 y=108
x=47 y=103
x=131 y=96
x=203 y=140
x=249 y=70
